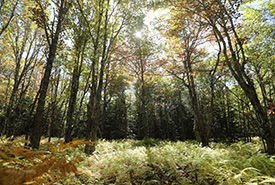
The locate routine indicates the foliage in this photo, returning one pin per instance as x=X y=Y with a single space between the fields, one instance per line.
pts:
x=20 y=165
x=165 y=162
x=148 y=142
x=148 y=161
x=82 y=65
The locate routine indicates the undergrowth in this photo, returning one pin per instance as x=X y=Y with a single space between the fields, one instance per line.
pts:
x=152 y=162
x=146 y=162
x=50 y=165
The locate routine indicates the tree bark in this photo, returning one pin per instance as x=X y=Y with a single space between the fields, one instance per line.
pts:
x=238 y=71
x=38 y=117
x=74 y=91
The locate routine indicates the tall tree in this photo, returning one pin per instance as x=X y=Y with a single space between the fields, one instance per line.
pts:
x=52 y=31
x=138 y=56
x=222 y=17
x=30 y=47
x=104 y=20
x=7 y=13
x=23 y=40
x=258 y=40
x=80 y=38
x=188 y=63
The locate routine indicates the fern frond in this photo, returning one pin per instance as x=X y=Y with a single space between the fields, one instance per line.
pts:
x=19 y=165
x=76 y=143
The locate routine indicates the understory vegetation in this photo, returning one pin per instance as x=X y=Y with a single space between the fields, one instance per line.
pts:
x=147 y=161
x=137 y=92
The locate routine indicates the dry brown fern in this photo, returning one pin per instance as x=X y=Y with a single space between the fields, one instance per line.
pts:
x=19 y=165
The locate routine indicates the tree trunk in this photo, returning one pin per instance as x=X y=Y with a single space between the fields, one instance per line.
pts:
x=53 y=105
x=201 y=126
x=38 y=117
x=5 y=25
x=270 y=145
x=37 y=121
x=92 y=123
x=72 y=102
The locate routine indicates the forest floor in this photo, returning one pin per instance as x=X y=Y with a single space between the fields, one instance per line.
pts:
x=147 y=162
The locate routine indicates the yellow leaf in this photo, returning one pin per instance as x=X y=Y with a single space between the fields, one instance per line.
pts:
x=51 y=147
x=71 y=182
x=51 y=177
x=21 y=141
x=4 y=155
x=30 y=182
x=61 y=145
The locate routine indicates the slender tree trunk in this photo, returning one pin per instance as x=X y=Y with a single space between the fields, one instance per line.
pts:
x=74 y=91
x=72 y=101
x=53 y=105
x=201 y=126
x=6 y=24
x=139 y=123
x=38 y=117
x=92 y=123
x=125 y=120
x=37 y=121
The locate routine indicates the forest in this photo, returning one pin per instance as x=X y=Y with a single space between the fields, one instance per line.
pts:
x=150 y=75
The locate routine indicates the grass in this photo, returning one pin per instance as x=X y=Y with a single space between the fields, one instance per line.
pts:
x=153 y=162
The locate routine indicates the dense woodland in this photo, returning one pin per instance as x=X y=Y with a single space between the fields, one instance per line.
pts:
x=114 y=69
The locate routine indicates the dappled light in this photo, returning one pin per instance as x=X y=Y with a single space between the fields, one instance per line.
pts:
x=137 y=92
x=134 y=162
x=138 y=34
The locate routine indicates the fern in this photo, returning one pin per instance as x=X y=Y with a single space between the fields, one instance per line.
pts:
x=162 y=162
x=20 y=165
x=135 y=162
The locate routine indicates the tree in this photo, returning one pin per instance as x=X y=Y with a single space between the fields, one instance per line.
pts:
x=104 y=20
x=259 y=49
x=30 y=46
x=24 y=41
x=52 y=31
x=221 y=16
x=80 y=39
x=188 y=63
x=138 y=56
x=6 y=15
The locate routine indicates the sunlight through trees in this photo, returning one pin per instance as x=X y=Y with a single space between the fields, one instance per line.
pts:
x=168 y=69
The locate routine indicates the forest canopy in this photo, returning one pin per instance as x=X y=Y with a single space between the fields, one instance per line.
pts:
x=115 y=69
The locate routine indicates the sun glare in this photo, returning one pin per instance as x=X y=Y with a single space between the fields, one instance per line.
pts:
x=138 y=34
